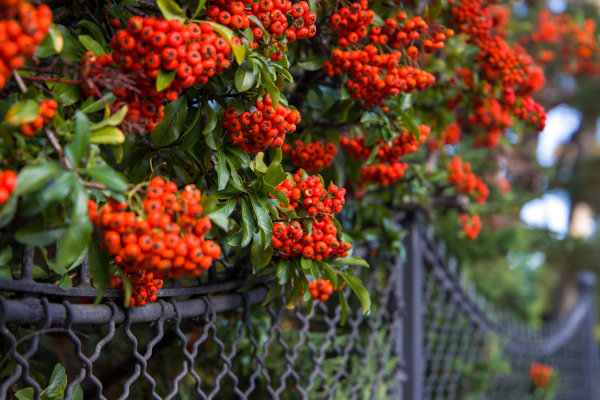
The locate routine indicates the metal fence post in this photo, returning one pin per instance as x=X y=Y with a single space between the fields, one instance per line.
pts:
x=586 y=284
x=413 y=320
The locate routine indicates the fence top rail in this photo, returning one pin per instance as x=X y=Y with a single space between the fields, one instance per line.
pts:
x=520 y=337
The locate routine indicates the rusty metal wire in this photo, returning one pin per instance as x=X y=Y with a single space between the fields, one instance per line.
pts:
x=209 y=342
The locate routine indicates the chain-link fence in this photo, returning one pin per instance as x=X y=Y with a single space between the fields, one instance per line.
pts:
x=424 y=332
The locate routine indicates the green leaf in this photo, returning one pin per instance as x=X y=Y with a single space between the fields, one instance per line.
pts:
x=25 y=394
x=350 y=260
x=105 y=175
x=222 y=212
x=57 y=385
x=77 y=393
x=108 y=135
x=222 y=170
x=284 y=272
x=277 y=157
x=66 y=94
x=77 y=148
x=274 y=175
x=358 y=289
x=247 y=224
x=164 y=79
x=169 y=129
x=99 y=265
x=23 y=112
x=265 y=225
x=34 y=177
x=281 y=197
x=244 y=80
x=91 y=105
x=411 y=124
x=91 y=45
x=271 y=87
x=5 y=255
x=239 y=51
x=260 y=256
x=95 y=30
x=127 y=289
x=65 y=282
x=75 y=241
x=171 y=10
x=56 y=37
x=273 y=292
x=35 y=235
x=258 y=163
x=113 y=120
x=199 y=8
x=313 y=63
x=344 y=305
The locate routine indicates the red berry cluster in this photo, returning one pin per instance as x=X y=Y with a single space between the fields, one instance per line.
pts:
x=577 y=45
x=382 y=174
x=309 y=194
x=320 y=289
x=451 y=134
x=312 y=156
x=8 y=182
x=404 y=143
x=147 y=45
x=145 y=287
x=399 y=35
x=262 y=128
x=373 y=76
x=532 y=112
x=22 y=28
x=272 y=14
x=167 y=241
x=47 y=112
x=466 y=181
x=349 y=24
x=471 y=226
x=540 y=374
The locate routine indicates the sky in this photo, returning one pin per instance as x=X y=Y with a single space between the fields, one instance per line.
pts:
x=551 y=211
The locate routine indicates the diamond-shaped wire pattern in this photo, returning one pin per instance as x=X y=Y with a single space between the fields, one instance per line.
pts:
x=226 y=345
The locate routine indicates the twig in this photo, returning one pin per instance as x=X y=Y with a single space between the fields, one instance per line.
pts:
x=49 y=79
x=20 y=82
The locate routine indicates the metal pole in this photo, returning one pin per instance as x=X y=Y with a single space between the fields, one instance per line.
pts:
x=413 y=321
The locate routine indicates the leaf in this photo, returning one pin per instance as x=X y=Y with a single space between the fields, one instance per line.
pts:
x=358 y=289
x=277 y=157
x=171 y=10
x=222 y=170
x=222 y=212
x=239 y=51
x=273 y=292
x=105 y=175
x=260 y=256
x=338 y=226
x=164 y=79
x=66 y=94
x=344 y=305
x=77 y=393
x=283 y=272
x=33 y=177
x=265 y=225
x=25 y=394
x=91 y=105
x=274 y=175
x=23 y=112
x=350 y=260
x=199 y=8
x=247 y=224
x=35 y=235
x=99 y=265
x=244 y=80
x=127 y=290
x=57 y=385
x=94 y=30
x=411 y=124
x=75 y=241
x=77 y=148
x=65 y=282
x=313 y=63
x=169 y=129
x=91 y=45
x=113 y=120
x=5 y=255
x=271 y=88
x=56 y=37
x=281 y=197
x=108 y=135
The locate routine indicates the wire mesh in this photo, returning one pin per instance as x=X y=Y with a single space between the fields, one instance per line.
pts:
x=427 y=336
